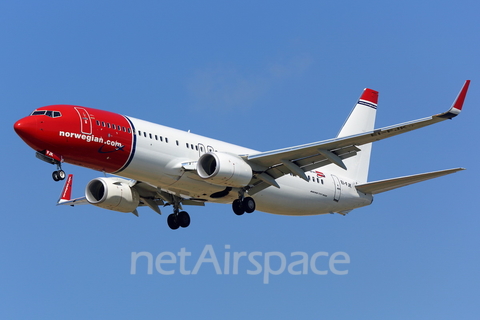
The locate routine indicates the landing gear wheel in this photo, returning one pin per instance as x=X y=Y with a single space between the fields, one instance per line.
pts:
x=172 y=221
x=58 y=175
x=248 y=204
x=183 y=219
x=55 y=176
x=61 y=174
x=237 y=207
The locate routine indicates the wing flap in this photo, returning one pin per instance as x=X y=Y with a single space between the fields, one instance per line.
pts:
x=390 y=184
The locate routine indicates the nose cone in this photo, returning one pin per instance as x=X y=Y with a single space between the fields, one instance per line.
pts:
x=27 y=129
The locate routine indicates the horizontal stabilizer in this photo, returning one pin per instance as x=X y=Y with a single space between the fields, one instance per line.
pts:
x=390 y=184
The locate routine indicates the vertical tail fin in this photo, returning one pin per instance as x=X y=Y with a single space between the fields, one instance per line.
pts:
x=361 y=119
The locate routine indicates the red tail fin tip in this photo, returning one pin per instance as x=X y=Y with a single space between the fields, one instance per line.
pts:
x=370 y=96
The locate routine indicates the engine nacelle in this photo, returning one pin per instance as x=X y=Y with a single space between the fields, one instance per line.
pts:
x=112 y=194
x=224 y=169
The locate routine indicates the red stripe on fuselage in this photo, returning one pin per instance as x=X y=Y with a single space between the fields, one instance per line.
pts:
x=92 y=138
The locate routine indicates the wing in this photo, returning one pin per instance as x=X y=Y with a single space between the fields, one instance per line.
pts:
x=271 y=165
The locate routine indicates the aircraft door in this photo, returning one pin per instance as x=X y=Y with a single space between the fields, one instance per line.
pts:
x=337 y=188
x=85 y=121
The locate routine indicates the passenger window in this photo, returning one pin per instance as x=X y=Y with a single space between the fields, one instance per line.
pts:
x=129 y=131
x=166 y=140
x=103 y=124
x=150 y=135
x=144 y=134
x=113 y=126
x=156 y=137
x=139 y=132
x=98 y=123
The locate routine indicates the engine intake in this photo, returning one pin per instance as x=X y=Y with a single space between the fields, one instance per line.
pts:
x=112 y=194
x=224 y=169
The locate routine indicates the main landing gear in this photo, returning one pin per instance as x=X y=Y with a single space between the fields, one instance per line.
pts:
x=240 y=206
x=182 y=219
x=178 y=218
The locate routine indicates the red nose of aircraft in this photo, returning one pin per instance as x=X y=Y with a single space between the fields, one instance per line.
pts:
x=27 y=129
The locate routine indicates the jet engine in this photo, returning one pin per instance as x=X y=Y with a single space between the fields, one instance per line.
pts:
x=224 y=169
x=112 y=194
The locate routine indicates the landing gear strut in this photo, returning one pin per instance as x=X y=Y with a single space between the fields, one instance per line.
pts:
x=178 y=218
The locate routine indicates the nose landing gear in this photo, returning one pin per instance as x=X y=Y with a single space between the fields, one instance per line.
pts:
x=52 y=158
x=58 y=175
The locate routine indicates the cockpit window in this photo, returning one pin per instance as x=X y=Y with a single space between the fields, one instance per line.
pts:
x=48 y=113
x=38 y=112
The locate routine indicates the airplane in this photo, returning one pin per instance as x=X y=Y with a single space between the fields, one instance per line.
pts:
x=153 y=165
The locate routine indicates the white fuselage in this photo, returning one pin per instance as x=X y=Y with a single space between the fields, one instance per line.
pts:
x=163 y=156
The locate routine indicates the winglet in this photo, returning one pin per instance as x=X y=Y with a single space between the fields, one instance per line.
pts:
x=66 y=194
x=458 y=103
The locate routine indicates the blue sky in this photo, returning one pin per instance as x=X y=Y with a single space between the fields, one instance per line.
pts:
x=264 y=75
